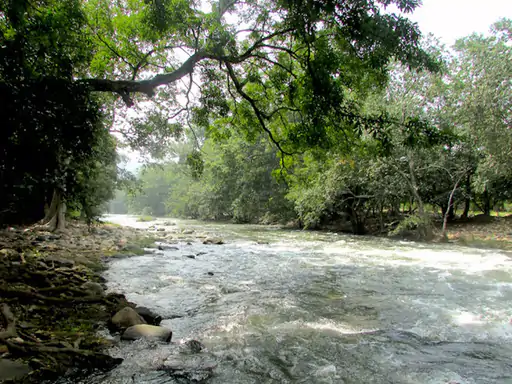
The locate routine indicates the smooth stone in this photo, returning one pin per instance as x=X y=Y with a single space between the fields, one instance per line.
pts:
x=149 y=316
x=147 y=331
x=13 y=370
x=126 y=318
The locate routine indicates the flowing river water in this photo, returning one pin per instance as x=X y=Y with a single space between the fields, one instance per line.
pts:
x=287 y=306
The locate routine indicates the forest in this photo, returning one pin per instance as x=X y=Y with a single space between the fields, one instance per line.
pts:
x=323 y=113
x=440 y=150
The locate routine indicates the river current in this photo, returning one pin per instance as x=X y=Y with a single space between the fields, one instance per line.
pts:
x=282 y=306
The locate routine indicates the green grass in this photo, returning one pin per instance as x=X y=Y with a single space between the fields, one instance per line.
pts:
x=476 y=242
x=145 y=218
x=110 y=224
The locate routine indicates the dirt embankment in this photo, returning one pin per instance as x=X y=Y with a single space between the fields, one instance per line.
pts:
x=482 y=232
x=53 y=299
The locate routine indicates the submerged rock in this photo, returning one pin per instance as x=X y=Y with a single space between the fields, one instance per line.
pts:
x=147 y=331
x=149 y=316
x=194 y=368
x=125 y=318
x=13 y=370
x=191 y=256
x=194 y=346
x=213 y=240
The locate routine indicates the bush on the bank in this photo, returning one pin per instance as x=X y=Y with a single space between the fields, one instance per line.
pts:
x=414 y=227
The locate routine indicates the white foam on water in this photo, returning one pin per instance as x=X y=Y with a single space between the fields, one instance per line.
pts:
x=468 y=260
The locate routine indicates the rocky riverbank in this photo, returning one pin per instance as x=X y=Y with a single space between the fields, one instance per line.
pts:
x=53 y=301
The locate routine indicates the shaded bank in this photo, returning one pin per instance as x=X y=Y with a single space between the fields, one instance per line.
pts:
x=53 y=300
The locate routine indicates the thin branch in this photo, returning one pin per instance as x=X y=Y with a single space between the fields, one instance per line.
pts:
x=259 y=114
x=115 y=52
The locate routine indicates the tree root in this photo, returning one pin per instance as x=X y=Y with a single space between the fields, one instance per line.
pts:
x=69 y=355
x=63 y=300
x=9 y=323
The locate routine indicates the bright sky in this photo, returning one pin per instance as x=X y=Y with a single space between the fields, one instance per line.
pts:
x=447 y=20
x=452 y=19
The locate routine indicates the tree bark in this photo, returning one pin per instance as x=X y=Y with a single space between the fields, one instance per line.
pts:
x=487 y=203
x=447 y=214
x=55 y=218
x=467 y=202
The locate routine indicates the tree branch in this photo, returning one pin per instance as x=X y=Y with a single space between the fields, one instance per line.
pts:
x=259 y=114
x=125 y=87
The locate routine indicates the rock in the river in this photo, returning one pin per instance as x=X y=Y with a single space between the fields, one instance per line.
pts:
x=161 y=230
x=194 y=368
x=190 y=256
x=213 y=240
x=13 y=370
x=92 y=288
x=147 y=331
x=210 y=273
x=149 y=316
x=194 y=346
x=188 y=231
x=167 y=248
x=126 y=318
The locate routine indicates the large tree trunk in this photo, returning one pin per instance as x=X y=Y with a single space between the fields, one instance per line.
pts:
x=55 y=218
x=467 y=202
x=487 y=203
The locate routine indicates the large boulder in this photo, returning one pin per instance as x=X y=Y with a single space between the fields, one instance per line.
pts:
x=148 y=332
x=125 y=318
x=149 y=316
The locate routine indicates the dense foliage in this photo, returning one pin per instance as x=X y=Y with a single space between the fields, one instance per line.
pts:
x=443 y=145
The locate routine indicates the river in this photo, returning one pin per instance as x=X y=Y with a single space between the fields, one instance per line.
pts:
x=287 y=306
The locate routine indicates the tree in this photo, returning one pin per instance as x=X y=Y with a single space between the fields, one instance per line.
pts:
x=284 y=51
x=483 y=93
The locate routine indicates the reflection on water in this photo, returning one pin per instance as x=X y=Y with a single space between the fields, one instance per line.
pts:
x=304 y=307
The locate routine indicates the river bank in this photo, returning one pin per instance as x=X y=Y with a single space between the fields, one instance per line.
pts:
x=53 y=300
